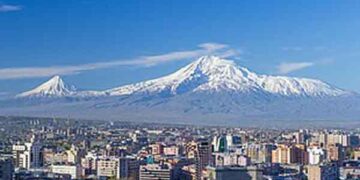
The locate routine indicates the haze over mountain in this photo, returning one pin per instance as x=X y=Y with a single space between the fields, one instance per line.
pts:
x=209 y=90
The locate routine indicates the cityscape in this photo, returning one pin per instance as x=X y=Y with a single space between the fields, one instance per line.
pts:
x=179 y=90
x=50 y=148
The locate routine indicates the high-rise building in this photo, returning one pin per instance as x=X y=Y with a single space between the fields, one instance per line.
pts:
x=300 y=154
x=259 y=153
x=36 y=156
x=89 y=164
x=299 y=137
x=345 y=140
x=200 y=151
x=220 y=143
x=225 y=142
x=335 y=152
x=28 y=155
x=289 y=154
x=203 y=157
x=354 y=140
x=323 y=139
x=129 y=168
x=337 y=139
x=17 y=151
x=73 y=155
x=282 y=154
x=316 y=155
x=230 y=140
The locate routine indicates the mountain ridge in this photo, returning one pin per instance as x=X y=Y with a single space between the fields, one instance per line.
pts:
x=208 y=73
x=209 y=90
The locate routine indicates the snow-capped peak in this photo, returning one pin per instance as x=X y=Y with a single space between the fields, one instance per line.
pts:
x=206 y=74
x=55 y=87
x=211 y=73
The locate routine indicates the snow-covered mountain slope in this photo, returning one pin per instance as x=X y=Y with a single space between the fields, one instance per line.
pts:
x=55 y=87
x=213 y=74
x=207 y=74
x=209 y=90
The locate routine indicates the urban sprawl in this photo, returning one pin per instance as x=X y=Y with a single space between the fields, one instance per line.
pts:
x=51 y=148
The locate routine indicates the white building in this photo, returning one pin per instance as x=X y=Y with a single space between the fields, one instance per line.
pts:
x=18 y=155
x=316 y=155
x=108 y=167
x=73 y=170
x=156 y=171
x=28 y=155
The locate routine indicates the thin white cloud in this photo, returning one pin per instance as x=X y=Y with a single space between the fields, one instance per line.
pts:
x=229 y=53
x=9 y=8
x=285 y=68
x=213 y=46
x=203 y=49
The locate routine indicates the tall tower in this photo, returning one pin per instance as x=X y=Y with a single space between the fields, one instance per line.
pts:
x=33 y=153
x=201 y=151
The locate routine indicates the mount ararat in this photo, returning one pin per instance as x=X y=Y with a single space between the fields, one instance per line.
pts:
x=209 y=90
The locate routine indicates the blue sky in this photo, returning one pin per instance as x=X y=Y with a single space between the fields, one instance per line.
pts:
x=104 y=44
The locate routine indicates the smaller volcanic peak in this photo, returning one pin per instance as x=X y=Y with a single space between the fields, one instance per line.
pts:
x=55 y=87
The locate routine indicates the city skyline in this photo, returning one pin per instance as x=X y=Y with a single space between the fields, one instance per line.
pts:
x=179 y=90
x=83 y=149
